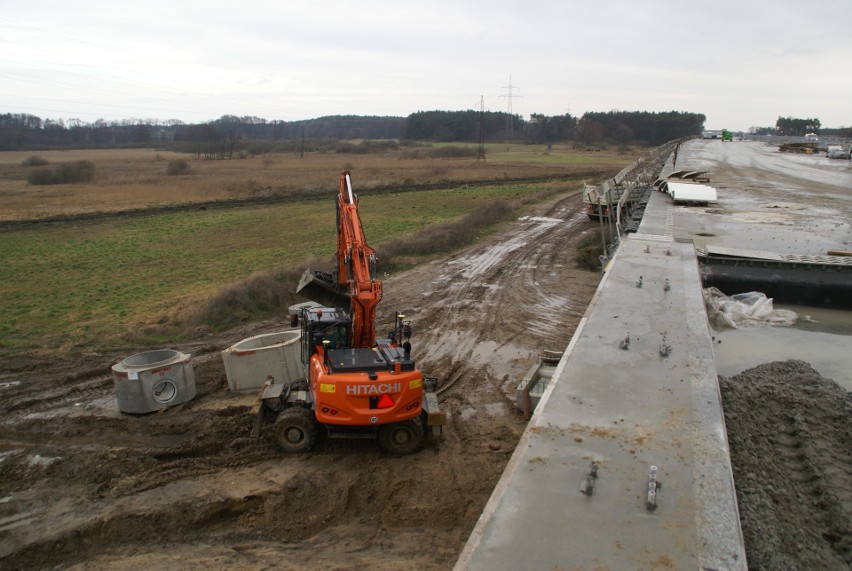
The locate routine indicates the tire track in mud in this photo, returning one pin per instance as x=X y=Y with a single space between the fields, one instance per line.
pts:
x=487 y=312
x=498 y=293
x=45 y=398
x=790 y=435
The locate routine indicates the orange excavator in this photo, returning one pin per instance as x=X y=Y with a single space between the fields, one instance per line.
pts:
x=354 y=386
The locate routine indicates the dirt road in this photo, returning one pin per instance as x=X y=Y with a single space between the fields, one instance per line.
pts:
x=83 y=485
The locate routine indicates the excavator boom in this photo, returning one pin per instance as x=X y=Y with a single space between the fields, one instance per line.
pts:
x=356 y=266
x=354 y=285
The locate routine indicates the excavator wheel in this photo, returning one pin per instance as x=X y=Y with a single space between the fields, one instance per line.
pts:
x=295 y=429
x=401 y=438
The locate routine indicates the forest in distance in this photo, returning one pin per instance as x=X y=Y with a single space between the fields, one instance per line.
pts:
x=20 y=131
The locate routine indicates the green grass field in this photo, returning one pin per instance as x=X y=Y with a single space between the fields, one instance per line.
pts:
x=556 y=155
x=97 y=284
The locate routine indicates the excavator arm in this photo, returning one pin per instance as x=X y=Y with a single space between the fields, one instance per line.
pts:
x=356 y=266
x=354 y=286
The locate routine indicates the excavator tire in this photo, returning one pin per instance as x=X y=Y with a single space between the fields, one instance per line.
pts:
x=401 y=438
x=295 y=430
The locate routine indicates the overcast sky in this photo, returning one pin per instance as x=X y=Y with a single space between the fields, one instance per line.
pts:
x=740 y=62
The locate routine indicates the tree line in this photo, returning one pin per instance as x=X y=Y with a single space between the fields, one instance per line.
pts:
x=221 y=137
x=618 y=127
x=622 y=127
x=796 y=127
x=24 y=131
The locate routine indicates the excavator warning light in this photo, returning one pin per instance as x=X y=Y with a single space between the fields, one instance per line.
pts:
x=385 y=401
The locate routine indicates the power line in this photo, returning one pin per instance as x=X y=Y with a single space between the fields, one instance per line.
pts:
x=510 y=123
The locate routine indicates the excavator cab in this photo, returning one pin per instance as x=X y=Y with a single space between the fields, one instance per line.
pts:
x=368 y=392
x=329 y=328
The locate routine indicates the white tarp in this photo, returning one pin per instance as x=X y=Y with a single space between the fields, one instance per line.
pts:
x=744 y=309
x=688 y=192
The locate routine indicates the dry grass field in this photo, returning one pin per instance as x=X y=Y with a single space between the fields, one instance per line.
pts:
x=128 y=179
x=98 y=276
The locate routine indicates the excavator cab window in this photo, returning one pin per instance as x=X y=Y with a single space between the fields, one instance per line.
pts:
x=328 y=325
x=337 y=336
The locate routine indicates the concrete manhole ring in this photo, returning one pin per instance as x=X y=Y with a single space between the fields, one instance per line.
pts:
x=164 y=391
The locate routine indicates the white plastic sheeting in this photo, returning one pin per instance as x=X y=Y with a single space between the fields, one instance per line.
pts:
x=690 y=192
x=744 y=309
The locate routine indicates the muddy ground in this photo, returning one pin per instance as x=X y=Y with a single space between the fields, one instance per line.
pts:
x=790 y=434
x=85 y=486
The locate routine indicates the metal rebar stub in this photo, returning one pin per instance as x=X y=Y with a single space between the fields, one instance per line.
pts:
x=667 y=286
x=654 y=487
x=665 y=348
x=639 y=283
x=587 y=486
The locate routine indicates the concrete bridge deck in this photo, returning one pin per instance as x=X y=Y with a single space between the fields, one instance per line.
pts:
x=636 y=406
x=636 y=389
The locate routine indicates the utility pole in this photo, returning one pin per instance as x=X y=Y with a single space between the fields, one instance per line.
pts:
x=510 y=123
x=480 y=156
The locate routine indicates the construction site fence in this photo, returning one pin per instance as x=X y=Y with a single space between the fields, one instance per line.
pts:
x=615 y=193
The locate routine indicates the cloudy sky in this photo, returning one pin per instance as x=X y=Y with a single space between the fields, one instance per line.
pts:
x=740 y=62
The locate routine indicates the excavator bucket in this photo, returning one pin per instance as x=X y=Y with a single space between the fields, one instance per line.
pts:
x=321 y=288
